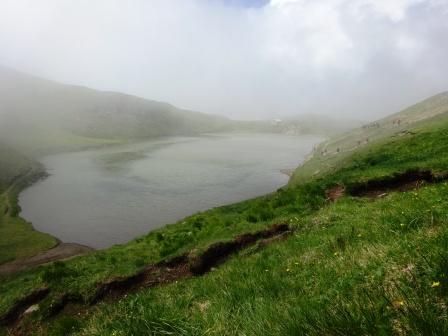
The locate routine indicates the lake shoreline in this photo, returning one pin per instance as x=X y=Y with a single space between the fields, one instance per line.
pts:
x=286 y=171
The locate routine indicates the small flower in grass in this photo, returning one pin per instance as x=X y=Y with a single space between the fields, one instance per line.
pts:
x=288 y=270
x=435 y=284
x=402 y=224
x=336 y=253
x=397 y=304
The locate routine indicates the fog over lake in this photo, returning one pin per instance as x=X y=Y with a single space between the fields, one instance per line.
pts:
x=111 y=195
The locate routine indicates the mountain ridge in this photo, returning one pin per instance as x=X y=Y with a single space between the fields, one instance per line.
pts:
x=34 y=105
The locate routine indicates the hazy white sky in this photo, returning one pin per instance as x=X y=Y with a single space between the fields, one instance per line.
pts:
x=242 y=58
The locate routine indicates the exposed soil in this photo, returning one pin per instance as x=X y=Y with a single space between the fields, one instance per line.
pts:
x=409 y=180
x=375 y=188
x=22 y=305
x=335 y=193
x=61 y=251
x=219 y=252
x=187 y=265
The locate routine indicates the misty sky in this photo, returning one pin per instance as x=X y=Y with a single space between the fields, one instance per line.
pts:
x=243 y=58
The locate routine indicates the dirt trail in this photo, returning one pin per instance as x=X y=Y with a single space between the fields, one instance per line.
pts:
x=59 y=252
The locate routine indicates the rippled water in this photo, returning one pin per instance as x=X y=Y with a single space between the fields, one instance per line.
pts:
x=107 y=196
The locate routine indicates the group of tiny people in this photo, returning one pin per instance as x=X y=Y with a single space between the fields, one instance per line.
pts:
x=395 y=122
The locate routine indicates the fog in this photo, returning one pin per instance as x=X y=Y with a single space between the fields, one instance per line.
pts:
x=359 y=59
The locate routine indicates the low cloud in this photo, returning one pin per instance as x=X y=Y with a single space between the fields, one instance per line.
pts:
x=354 y=58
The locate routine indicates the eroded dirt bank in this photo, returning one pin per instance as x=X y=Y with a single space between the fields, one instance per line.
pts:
x=399 y=182
x=191 y=264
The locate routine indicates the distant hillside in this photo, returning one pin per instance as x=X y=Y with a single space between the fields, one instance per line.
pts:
x=299 y=125
x=49 y=111
x=43 y=114
x=12 y=165
x=393 y=124
x=331 y=153
x=315 y=124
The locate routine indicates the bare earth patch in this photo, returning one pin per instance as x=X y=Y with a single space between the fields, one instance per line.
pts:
x=376 y=188
x=61 y=251
x=335 y=193
x=409 y=180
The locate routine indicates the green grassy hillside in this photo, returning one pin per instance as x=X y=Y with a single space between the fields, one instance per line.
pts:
x=17 y=237
x=329 y=155
x=367 y=255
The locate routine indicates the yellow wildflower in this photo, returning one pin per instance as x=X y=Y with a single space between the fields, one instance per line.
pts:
x=435 y=284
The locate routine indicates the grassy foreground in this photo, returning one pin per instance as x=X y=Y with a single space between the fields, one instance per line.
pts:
x=356 y=266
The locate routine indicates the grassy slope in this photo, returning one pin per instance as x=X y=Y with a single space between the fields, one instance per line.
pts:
x=356 y=266
x=17 y=237
x=424 y=114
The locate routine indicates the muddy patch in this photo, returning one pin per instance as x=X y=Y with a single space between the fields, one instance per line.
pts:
x=409 y=180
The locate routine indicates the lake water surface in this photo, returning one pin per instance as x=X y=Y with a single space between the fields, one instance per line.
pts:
x=108 y=196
